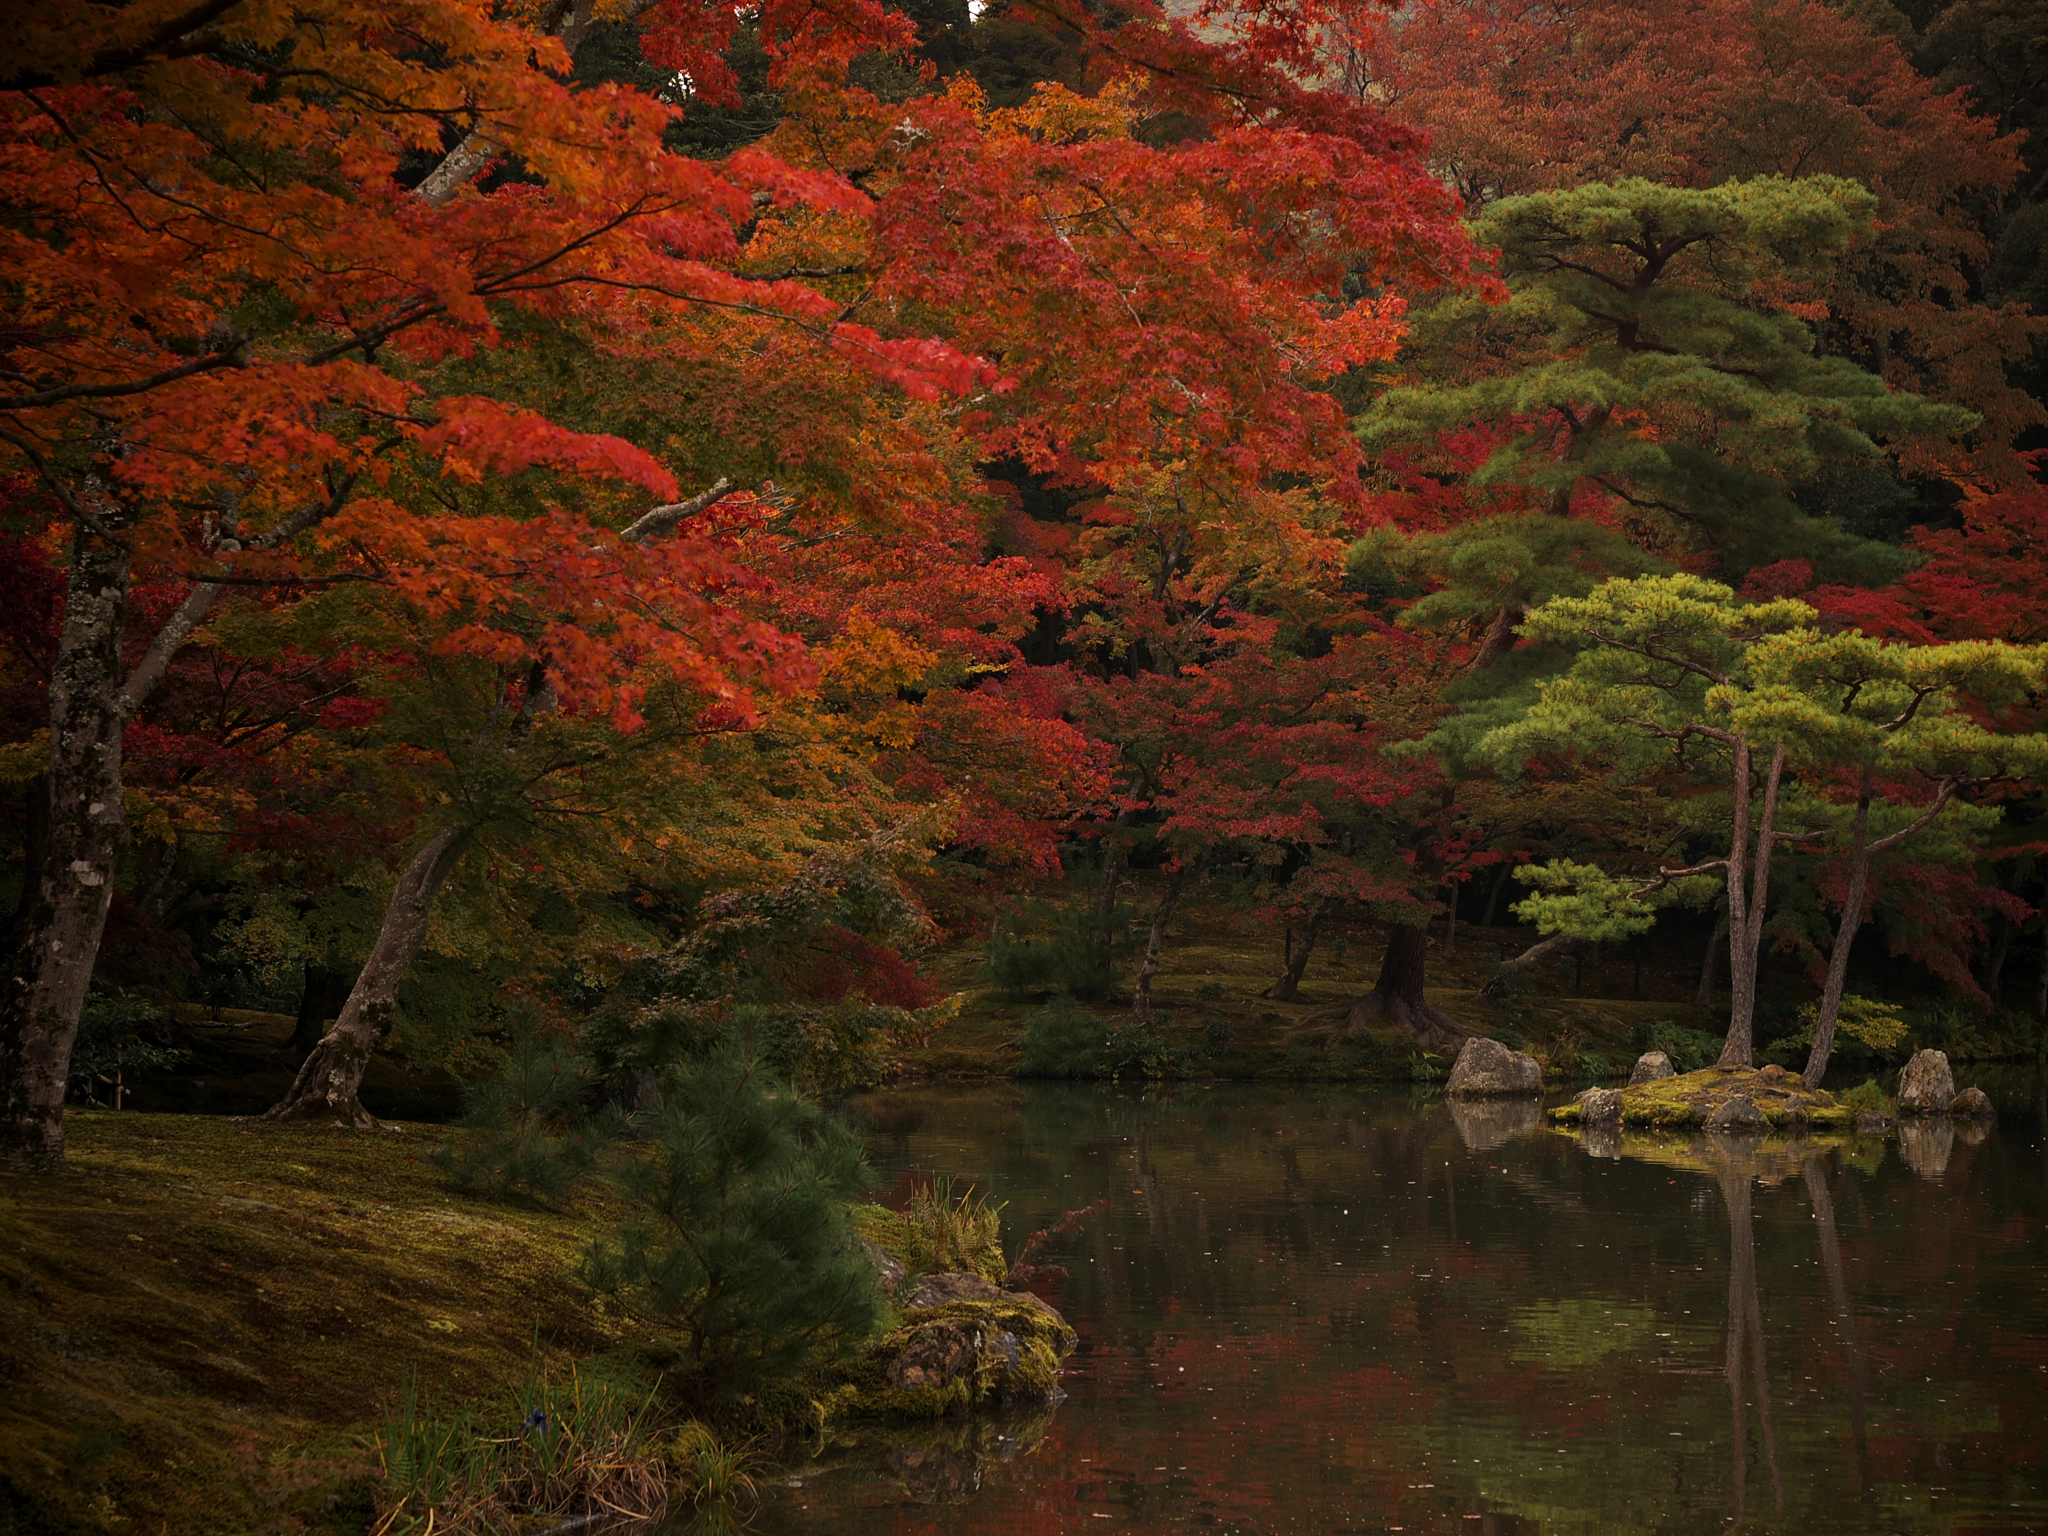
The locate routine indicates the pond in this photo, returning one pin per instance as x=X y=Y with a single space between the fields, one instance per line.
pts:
x=1335 y=1310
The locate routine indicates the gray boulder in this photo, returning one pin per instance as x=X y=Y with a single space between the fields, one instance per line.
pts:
x=889 y=1270
x=1876 y=1123
x=1971 y=1104
x=1487 y=1069
x=1650 y=1066
x=1738 y=1116
x=1927 y=1085
x=1600 y=1106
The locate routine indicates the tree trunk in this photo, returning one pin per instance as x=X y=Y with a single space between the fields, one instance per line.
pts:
x=1299 y=946
x=1994 y=963
x=84 y=831
x=329 y=1081
x=1141 y=994
x=2041 y=985
x=1746 y=910
x=1535 y=954
x=1396 y=998
x=321 y=1000
x=1116 y=857
x=1500 y=884
x=1845 y=937
x=1500 y=638
x=1710 y=967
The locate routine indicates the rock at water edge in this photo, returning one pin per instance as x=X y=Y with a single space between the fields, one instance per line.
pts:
x=1738 y=1116
x=1650 y=1066
x=1487 y=1069
x=1971 y=1104
x=1927 y=1085
x=1601 y=1107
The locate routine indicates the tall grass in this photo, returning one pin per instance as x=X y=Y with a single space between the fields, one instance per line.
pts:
x=948 y=1231
x=561 y=1444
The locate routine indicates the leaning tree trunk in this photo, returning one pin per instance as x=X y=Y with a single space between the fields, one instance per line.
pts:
x=1141 y=993
x=1534 y=955
x=328 y=1083
x=1396 y=998
x=321 y=1000
x=1845 y=939
x=1710 y=966
x=1746 y=909
x=84 y=829
x=1299 y=945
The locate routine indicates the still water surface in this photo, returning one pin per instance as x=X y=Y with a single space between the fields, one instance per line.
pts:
x=1349 y=1311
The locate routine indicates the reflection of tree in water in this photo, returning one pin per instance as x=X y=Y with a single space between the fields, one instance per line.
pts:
x=1747 y=1367
x=1737 y=1164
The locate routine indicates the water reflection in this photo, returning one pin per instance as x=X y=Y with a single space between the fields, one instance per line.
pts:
x=1325 y=1311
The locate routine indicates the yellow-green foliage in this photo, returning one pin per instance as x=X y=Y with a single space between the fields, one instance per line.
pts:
x=1879 y=1025
x=940 y=1231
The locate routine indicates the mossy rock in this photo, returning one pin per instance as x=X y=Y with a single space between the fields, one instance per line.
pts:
x=981 y=1346
x=1689 y=1099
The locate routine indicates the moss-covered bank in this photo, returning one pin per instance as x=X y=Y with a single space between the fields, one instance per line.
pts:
x=1691 y=1098
x=199 y=1318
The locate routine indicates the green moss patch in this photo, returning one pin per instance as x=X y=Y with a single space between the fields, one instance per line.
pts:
x=1687 y=1100
x=948 y=1359
x=200 y=1319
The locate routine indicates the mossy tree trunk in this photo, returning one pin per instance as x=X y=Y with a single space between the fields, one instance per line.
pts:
x=84 y=829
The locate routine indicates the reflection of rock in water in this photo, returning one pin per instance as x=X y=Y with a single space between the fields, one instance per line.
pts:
x=931 y=1461
x=1602 y=1141
x=1971 y=1133
x=1484 y=1124
x=1926 y=1145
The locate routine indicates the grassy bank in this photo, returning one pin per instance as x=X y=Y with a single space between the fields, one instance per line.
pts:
x=1218 y=963
x=199 y=1319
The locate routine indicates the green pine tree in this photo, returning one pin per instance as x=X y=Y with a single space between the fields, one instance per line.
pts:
x=1649 y=348
x=741 y=1236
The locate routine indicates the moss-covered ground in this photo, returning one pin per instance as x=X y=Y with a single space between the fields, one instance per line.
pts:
x=200 y=1320
x=1218 y=962
x=1689 y=1098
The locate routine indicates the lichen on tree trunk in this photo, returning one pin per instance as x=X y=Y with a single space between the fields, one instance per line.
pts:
x=58 y=938
x=330 y=1081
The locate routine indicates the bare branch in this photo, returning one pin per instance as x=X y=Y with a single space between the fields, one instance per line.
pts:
x=662 y=519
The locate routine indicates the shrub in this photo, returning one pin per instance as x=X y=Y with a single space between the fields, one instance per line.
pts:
x=1062 y=1040
x=111 y=1041
x=1689 y=1049
x=1138 y=1050
x=742 y=1235
x=1867 y=1098
x=529 y=1135
x=1070 y=959
x=1865 y=1029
